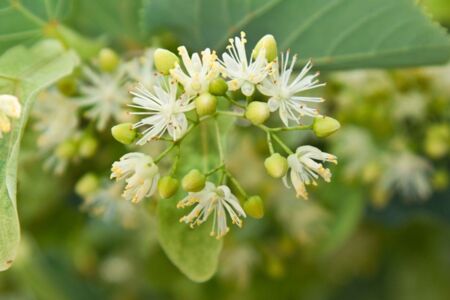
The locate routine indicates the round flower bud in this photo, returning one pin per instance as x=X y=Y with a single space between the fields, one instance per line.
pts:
x=108 y=60
x=276 y=165
x=124 y=133
x=67 y=149
x=88 y=146
x=436 y=141
x=218 y=87
x=268 y=43
x=205 y=104
x=324 y=126
x=254 y=207
x=167 y=186
x=257 y=112
x=194 y=181
x=67 y=86
x=87 y=184
x=164 y=60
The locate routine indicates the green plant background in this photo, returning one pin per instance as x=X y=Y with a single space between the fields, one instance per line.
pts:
x=339 y=245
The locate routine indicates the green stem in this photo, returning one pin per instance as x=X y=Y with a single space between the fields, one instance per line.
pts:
x=177 y=159
x=300 y=127
x=234 y=101
x=209 y=173
x=219 y=142
x=281 y=143
x=236 y=183
x=229 y=113
x=164 y=153
x=269 y=143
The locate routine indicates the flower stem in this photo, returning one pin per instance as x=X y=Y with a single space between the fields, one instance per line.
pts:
x=281 y=143
x=165 y=152
x=236 y=183
x=218 y=168
x=300 y=127
x=234 y=101
x=219 y=142
x=229 y=113
x=269 y=143
x=175 y=163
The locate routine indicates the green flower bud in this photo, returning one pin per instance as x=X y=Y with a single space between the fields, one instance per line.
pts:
x=268 y=43
x=67 y=85
x=218 y=87
x=108 y=60
x=254 y=207
x=167 y=186
x=67 y=149
x=440 y=180
x=257 y=112
x=88 y=146
x=324 y=126
x=194 y=181
x=276 y=165
x=437 y=141
x=205 y=104
x=164 y=60
x=87 y=184
x=124 y=133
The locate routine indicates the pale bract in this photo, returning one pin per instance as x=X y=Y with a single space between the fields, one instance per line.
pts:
x=198 y=72
x=141 y=175
x=163 y=111
x=105 y=96
x=283 y=91
x=306 y=167
x=243 y=73
x=9 y=108
x=218 y=201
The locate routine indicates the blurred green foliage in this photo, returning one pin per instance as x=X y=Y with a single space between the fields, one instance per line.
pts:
x=347 y=242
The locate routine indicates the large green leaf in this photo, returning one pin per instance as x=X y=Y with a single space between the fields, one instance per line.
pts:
x=23 y=72
x=336 y=34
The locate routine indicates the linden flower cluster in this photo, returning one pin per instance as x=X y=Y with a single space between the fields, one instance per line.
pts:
x=187 y=92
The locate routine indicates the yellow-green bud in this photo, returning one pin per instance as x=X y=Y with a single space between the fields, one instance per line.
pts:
x=88 y=146
x=257 y=112
x=205 y=104
x=87 y=184
x=218 y=87
x=324 y=126
x=268 y=43
x=124 y=133
x=108 y=60
x=254 y=207
x=167 y=186
x=276 y=165
x=67 y=149
x=194 y=181
x=67 y=85
x=164 y=60
x=437 y=141
x=440 y=180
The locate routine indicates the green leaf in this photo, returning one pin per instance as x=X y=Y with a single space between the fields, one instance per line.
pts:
x=192 y=250
x=23 y=72
x=336 y=34
x=26 y=21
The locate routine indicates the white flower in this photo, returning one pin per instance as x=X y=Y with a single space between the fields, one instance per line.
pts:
x=218 y=201
x=141 y=69
x=9 y=108
x=407 y=174
x=283 y=91
x=305 y=169
x=105 y=95
x=56 y=119
x=244 y=74
x=141 y=174
x=165 y=111
x=199 y=72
